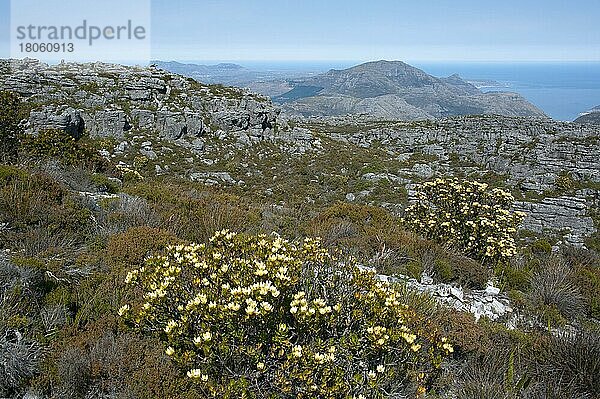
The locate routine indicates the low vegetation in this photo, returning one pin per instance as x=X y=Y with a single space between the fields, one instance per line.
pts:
x=264 y=309
x=257 y=316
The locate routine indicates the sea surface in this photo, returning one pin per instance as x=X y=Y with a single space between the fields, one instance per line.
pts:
x=562 y=90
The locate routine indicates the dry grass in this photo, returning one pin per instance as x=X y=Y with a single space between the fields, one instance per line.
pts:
x=553 y=286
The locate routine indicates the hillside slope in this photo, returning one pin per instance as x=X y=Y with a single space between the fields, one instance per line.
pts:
x=397 y=91
x=591 y=116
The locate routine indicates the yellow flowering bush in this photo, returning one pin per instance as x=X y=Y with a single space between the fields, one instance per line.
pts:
x=261 y=317
x=467 y=215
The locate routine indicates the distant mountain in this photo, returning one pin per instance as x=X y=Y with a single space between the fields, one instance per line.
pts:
x=591 y=116
x=395 y=90
x=269 y=83
x=205 y=73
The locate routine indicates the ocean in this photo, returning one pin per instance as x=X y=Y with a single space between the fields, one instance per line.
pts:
x=562 y=90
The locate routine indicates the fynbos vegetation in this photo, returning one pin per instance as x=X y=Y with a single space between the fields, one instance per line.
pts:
x=468 y=215
x=199 y=246
x=257 y=316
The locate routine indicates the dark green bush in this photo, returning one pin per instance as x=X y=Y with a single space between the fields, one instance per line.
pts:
x=104 y=184
x=588 y=281
x=12 y=112
x=414 y=269
x=540 y=247
x=553 y=288
x=515 y=275
x=443 y=270
x=573 y=360
x=54 y=143
x=10 y=173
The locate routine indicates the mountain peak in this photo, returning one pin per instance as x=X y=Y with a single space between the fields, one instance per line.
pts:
x=397 y=90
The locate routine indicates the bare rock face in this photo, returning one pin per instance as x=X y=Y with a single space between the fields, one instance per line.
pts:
x=62 y=118
x=490 y=303
x=110 y=123
x=105 y=100
x=566 y=214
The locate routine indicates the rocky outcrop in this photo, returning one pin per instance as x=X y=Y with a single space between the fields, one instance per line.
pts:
x=568 y=215
x=490 y=302
x=63 y=118
x=533 y=156
x=105 y=100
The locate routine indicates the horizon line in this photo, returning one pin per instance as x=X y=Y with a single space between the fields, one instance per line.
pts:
x=406 y=60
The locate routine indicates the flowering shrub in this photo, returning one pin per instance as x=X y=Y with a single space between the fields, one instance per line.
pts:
x=467 y=215
x=258 y=316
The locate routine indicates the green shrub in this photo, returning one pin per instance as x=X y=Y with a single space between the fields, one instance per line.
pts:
x=257 y=316
x=565 y=182
x=12 y=112
x=58 y=144
x=104 y=184
x=10 y=173
x=588 y=281
x=414 y=269
x=540 y=247
x=443 y=270
x=467 y=215
x=515 y=276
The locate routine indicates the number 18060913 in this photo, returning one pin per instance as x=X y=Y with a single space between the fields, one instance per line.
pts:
x=46 y=47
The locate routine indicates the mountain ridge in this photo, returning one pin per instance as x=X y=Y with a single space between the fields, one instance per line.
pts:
x=590 y=116
x=396 y=90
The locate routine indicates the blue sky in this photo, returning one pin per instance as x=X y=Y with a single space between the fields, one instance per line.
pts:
x=377 y=29
x=443 y=30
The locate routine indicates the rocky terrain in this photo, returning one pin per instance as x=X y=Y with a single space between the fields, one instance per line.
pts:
x=110 y=100
x=551 y=167
x=111 y=164
x=540 y=159
x=393 y=90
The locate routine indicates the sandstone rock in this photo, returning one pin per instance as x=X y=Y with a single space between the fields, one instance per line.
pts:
x=114 y=99
x=490 y=290
x=213 y=178
x=67 y=119
x=108 y=123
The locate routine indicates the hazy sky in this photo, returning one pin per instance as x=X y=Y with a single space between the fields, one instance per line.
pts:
x=362 y=30
x=376 y=29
